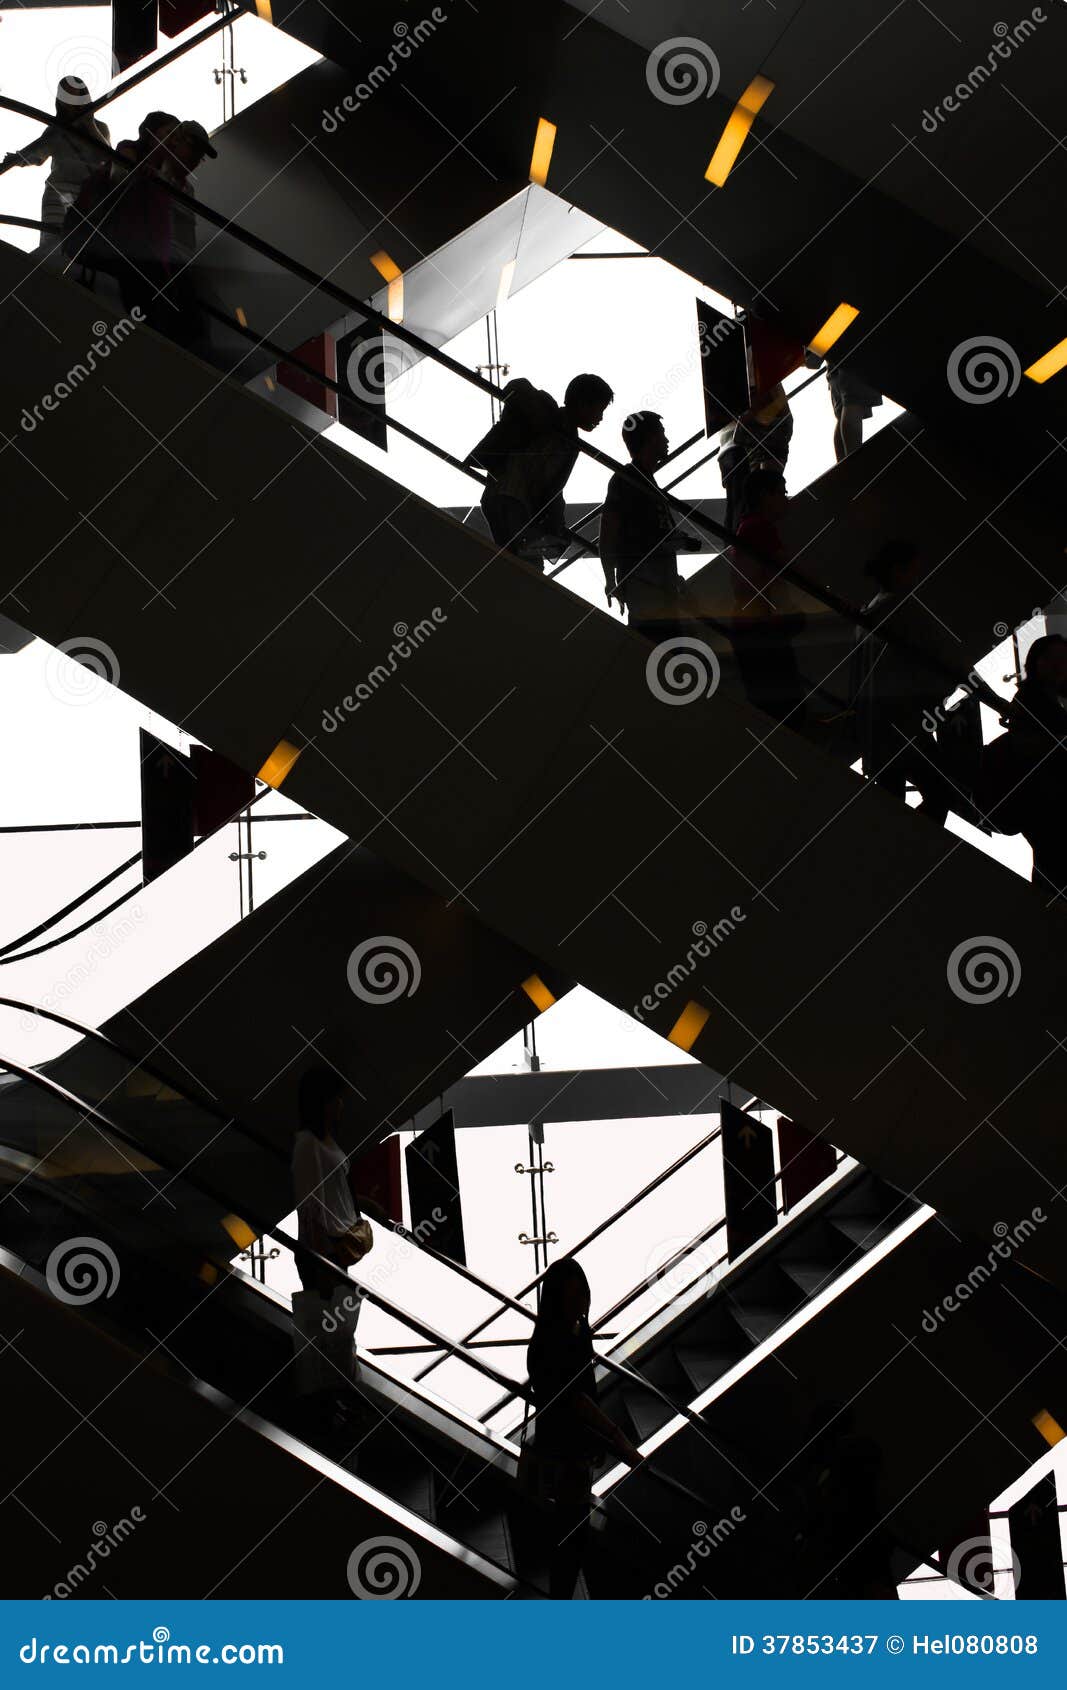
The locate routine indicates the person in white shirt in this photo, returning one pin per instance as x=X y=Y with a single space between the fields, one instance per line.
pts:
x=326 y=1312
x=69 y=143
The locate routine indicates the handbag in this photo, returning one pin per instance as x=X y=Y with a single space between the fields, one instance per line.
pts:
x=350 y=1247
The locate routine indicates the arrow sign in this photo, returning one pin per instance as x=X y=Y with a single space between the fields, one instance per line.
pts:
x=748 y=1179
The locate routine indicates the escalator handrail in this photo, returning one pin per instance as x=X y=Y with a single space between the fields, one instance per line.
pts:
x=68 y=909
x=369 y=313
x=503 y=1299
x=602 y=1227
x=104 y=1123
x=23 y=956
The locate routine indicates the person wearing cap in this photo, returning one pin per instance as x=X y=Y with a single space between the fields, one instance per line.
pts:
x=184 y=148
x=74 y=143
x=154 y=132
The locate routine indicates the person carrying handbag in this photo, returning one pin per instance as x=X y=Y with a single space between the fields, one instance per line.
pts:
x=326 y=1310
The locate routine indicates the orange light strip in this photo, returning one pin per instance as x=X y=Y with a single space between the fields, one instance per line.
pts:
x=738 y=125
x=689 y=1025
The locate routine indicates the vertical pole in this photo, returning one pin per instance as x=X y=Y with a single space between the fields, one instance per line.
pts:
x=248 y=828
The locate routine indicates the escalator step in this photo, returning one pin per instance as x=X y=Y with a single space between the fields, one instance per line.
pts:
x=647 y=1412
x=487 y=1534
x=810 y=1277
x=705 y=1367
x=758 y=1322
x=865 y=1231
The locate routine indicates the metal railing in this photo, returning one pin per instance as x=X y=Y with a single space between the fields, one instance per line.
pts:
x=443 y=1348
x=399 y=331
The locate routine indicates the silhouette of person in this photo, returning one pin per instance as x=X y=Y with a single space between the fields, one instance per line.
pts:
x=528 y=455
x=326 y=1314
x=897 y=693
x=766 y=615
x=758 y=440
x=853 y=400
x=845 y=1550
x=639 y=538
x=68 y=142
x=1037 y=731
x=570 y=1429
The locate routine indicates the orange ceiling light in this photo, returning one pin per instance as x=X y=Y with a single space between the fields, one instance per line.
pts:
x=738 y=125
x=1050 y=365
x=541 y=157
x=1050 y=1429
x=832 y=330
x=279 y=763
x=393 y=276
x=538 y=993
x=689 y=1025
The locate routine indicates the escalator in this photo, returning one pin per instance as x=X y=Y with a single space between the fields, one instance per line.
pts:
x=721 y=1386
x=849 y=977
x=279 y=980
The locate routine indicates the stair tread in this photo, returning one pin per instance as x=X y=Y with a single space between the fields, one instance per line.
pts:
x=705 y=1367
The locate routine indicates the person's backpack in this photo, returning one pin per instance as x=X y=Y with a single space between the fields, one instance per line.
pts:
x=1000 y=789
x=526 y=413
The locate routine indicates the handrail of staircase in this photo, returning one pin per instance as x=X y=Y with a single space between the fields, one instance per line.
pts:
x=6 y=956
x=504 y=1300
x=105 y=1124
x=399 y=331
x=631 y=1203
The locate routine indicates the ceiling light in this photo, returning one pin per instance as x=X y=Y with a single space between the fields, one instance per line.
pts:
x=738 y=125
x=832 y=330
